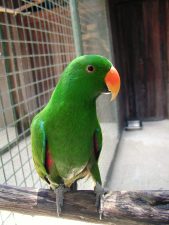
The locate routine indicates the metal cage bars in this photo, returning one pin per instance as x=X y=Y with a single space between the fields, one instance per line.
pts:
x=36 y=45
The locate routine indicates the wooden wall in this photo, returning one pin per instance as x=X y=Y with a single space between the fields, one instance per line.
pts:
x=140 y=31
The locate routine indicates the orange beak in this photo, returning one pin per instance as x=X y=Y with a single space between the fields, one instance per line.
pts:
x=112 y=80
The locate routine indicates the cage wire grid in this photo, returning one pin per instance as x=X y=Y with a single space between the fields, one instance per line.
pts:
x=94 y=27
x=36 y=44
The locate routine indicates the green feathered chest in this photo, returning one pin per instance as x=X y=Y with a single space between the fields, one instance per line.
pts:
x=69 y=131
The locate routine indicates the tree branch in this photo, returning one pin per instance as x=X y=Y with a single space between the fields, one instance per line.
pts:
x=151 y=207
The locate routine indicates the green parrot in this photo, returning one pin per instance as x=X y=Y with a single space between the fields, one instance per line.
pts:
x=66 y=136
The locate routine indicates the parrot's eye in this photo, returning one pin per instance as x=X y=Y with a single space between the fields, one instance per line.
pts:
x=90 y=68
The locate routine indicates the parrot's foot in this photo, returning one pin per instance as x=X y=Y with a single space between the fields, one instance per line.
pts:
x=99 y=190
x=59 y=198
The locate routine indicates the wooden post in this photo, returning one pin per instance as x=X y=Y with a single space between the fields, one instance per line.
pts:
x=120 y=207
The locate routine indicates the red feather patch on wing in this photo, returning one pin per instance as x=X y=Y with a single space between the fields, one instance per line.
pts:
x=48 y=160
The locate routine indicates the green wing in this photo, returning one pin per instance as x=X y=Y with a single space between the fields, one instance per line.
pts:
x=44 y=164
x=97 y=146
x=38 y=139
x=97 y=141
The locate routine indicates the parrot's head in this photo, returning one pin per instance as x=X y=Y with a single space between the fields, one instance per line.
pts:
x=90 y=75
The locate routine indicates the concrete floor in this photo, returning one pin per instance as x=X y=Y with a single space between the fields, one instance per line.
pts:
x=7 y=135
x=140 y=162
x=142 y=159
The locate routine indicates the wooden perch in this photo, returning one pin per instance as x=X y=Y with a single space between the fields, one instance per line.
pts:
x=151 y=207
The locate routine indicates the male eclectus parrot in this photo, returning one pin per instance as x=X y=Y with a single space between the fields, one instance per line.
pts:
x=66 y=135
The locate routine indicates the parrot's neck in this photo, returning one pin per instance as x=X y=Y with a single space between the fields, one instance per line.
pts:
x=72 y=96
x=69 y=107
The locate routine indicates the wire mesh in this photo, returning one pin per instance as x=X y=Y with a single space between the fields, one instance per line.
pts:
x=94 y=27
x=36 y=43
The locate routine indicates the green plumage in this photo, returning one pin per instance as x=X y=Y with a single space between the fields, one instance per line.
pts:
x=66 y=136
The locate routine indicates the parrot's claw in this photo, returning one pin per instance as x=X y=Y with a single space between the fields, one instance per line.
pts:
x=99 y=190
x=59 y=198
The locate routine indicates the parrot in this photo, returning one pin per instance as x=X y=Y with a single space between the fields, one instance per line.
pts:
x=66 y=136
